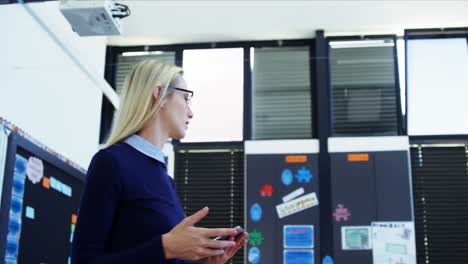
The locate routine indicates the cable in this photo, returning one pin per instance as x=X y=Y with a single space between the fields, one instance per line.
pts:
x=121 y=8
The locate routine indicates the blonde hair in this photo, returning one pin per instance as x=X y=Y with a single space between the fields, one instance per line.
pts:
x=138 y=105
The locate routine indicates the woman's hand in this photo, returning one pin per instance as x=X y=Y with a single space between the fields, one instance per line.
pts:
x=187 y=242
x=229 y=252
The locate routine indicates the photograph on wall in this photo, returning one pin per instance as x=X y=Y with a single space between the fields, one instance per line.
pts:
x=356 y=237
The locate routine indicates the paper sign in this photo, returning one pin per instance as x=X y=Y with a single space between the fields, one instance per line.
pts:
x=356 y=237
x=297 y=205
x=393 y=242
x=293 y=195
x=298 y=256
x=298 y=236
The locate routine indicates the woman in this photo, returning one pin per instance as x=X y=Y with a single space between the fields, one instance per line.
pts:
x=129 y=210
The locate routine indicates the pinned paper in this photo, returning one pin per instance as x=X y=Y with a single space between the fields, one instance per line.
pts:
x=293 y=195
x=356 y=238
x=297 y=205
x=393 y=242
x=298 y=236
x=298 y=256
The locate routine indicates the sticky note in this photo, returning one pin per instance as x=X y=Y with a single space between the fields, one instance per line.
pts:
x=46 y=182
x=74 y=218
x=30 y=212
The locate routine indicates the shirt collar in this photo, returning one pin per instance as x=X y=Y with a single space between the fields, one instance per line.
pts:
x=143 y=146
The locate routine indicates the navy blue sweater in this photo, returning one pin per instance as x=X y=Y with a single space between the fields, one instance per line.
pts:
x=128 y=203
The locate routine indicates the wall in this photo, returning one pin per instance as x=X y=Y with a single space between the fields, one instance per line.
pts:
x=45 y=92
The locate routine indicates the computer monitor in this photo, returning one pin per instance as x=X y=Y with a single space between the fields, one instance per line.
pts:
x=39 y=204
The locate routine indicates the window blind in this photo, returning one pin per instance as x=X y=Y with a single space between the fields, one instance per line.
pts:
x=363 y=87
x=281 y=93
x=212 y=177
x=125 y=63
x=440 y=190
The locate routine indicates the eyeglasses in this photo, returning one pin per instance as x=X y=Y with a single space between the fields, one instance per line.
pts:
x=190 y=96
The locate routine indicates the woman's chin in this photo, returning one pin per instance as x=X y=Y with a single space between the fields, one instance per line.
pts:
x=179 y=135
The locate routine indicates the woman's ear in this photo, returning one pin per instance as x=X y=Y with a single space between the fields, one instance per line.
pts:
x=157 y=91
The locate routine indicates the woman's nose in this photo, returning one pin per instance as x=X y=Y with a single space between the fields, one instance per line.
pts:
x=190 y=113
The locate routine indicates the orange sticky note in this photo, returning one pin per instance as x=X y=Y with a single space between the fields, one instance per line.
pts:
x=296 y=158
x=74 y=218
x=358 y=157
x=46 y=182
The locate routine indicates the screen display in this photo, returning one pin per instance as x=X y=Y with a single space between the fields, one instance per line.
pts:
x=43 y=211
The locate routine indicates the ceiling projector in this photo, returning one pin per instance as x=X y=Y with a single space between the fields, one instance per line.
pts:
x=94 y=18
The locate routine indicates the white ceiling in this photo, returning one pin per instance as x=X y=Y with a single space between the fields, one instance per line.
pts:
x=171 y=22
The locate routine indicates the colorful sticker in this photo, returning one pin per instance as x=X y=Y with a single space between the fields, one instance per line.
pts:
x=298 y=236
x=255 y=238
x=304 y=175
x=20 y=166
x=266 y=190
x=297 y=205
x=256 y=212
x=16 y=206
x=254 y=255
x=327 y=260
x=293 y=195
x=287 y=177
x=298 y=256
x=12 y=248
x=14 y=227
x=341 y=214
x=18 y=186
x=34 y=170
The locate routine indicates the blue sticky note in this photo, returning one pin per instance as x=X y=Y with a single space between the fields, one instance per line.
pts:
x=298 y=257
x=327 y=260
x=254 y=255
x=287 y=177
x=30 y=213
x=256 y=212
x=298 y=236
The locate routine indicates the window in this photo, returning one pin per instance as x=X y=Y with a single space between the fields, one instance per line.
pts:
x=212 y=175
x=364 y=87
x=437 y=85
x=127 y=60
x=281 y=99
x=440 y=184
x=217 y=77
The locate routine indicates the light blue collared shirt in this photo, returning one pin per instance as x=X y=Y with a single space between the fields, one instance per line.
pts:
x=143 y=146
